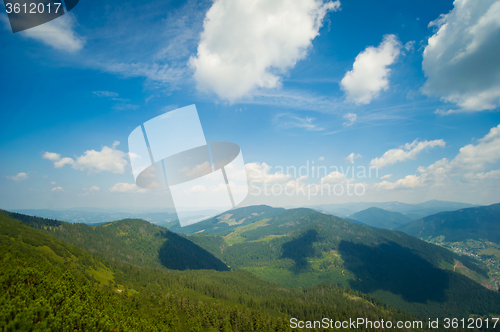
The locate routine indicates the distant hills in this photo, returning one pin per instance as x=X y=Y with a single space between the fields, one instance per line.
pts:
x=168 y=217
x=412 y=211
x=477 y=223
x=380 y=218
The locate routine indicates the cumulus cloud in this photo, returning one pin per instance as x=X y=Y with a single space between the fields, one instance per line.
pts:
x=122 y=187
x=461 y=58
x=52 y=156
x=405 y=152
x=409 y=181
x=108 y=159
x=350 y=158
x=370 y=72
x=248 y=44
x=468 y=165
x=64 y=161
x=58 y=188
x=335 y=177
x=260 y=173
x=321 y=158
x=287 y=121
x=351 y=118
x=387 y=176
x=58 y=33
x=470 y=158
x=21 y=176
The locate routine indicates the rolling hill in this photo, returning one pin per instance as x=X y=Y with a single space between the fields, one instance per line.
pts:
x=478 y=223
x=376 y=217
x=302 y=248
x=133 y=241
x=48 y=284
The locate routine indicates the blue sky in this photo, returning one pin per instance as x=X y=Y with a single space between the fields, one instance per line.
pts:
x=412 y=88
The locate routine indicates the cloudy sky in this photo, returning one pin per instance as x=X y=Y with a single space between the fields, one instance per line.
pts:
x=316 y=94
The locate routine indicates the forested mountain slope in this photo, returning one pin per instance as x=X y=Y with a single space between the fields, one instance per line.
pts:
x=477 y=223
x=48 y=284
x=133 y=241
x=301 y=247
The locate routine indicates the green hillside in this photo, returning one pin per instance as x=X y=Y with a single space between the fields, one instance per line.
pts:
x=133 y=241
x=51 y=285
x=302 y=248
x=473 y=232
x=380 y=218
x=477 y=223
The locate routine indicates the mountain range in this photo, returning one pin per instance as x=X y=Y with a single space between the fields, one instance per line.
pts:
x=167 y=216
x=477 y=223
x=412 y=211
x=49 y=284
x=297 y=249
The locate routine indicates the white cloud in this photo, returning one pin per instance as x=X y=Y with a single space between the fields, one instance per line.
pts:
x=470 y=159
x=387 y=176
x=405 y=152
x=58 y=188
x=18 y=177
x=475 y=157
x=288 y=121
x=122 y=187
x=95 y=188
x=350 y=158
x=369 y=74
x=52 y=156
x=260 y=173
x=247 y=44
x=56 y=159
x=197 y=170
x=351 y=118
x=321 y=158
x=410 y=181
x=108 y=159
x=199 y=189
x=335 y=177
x=58 y=34
x=461 y=58
x=63 y=161
x=491 y=175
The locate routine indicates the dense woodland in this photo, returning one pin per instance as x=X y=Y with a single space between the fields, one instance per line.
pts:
x=51 y=284
x=48 y=284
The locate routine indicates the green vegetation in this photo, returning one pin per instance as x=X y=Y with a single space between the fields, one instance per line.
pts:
x=473 y=233
x=302 y=248
x=478 y=223
x=51 y=285
x=133 y=241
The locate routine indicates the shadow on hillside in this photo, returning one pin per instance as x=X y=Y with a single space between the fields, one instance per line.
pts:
x=300 y=249
x=396 y=269
x=178 y=253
